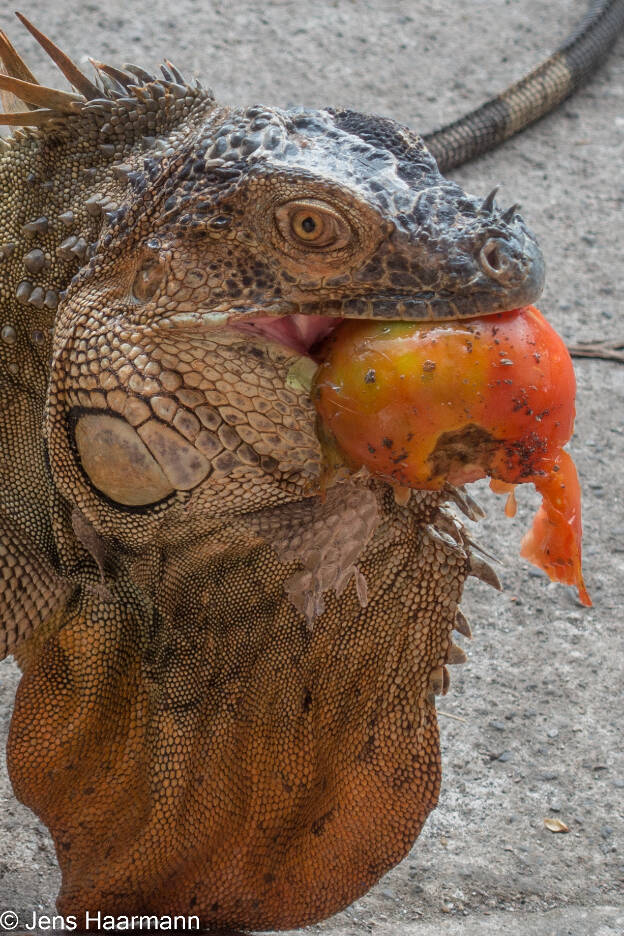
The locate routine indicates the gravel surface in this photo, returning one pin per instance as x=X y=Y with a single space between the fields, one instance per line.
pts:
x=532 y=726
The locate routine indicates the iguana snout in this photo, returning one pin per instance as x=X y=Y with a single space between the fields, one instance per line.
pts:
x=492 y=261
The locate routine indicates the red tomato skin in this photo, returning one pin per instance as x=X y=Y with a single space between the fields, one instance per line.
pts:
x=388 y=392
x=421 y=405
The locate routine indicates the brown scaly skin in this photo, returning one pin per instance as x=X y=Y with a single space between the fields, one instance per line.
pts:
x=195 y=744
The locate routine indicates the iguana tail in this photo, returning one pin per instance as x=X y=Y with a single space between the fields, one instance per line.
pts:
x=537 y=93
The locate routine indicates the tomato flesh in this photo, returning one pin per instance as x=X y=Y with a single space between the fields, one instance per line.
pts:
x=423 y=404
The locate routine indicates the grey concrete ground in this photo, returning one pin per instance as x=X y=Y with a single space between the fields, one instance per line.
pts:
x=532 y=726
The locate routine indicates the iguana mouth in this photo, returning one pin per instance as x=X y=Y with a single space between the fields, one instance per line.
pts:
x=300 y=332
x=304 y=332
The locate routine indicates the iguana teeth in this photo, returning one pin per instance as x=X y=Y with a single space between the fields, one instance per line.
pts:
x=461 y=625
x=483 y=571
x=455 y=655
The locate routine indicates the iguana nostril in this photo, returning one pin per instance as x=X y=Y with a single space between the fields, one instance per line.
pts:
x=490 y=255
x=515 y=264
x=493 y=259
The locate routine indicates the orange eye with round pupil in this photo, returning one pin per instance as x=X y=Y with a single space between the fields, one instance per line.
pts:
x=307 y=226
x=312 y=225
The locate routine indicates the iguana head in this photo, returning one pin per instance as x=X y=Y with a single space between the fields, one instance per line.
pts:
x=223 y=261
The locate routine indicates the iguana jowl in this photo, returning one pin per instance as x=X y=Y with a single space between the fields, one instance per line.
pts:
x=193 y=745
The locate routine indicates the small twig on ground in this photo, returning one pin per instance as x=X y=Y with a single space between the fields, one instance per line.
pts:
x=455 y=717
x=606 y=350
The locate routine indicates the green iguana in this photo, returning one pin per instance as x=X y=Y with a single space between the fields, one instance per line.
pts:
x=227 y=702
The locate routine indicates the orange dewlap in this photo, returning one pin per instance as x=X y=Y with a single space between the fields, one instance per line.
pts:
x=423 y=404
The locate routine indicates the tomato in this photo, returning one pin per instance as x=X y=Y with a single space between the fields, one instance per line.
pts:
x=423 y=404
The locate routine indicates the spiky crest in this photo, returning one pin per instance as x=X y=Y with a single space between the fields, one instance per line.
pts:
x=64 y=63
x=114 y=89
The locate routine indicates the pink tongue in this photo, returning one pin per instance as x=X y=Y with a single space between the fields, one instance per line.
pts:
x=299 y=332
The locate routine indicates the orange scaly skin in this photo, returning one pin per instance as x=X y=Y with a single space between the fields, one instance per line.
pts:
x=424 y=405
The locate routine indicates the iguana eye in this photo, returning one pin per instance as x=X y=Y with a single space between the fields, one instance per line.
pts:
x=307 y=226
x=312 y=224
